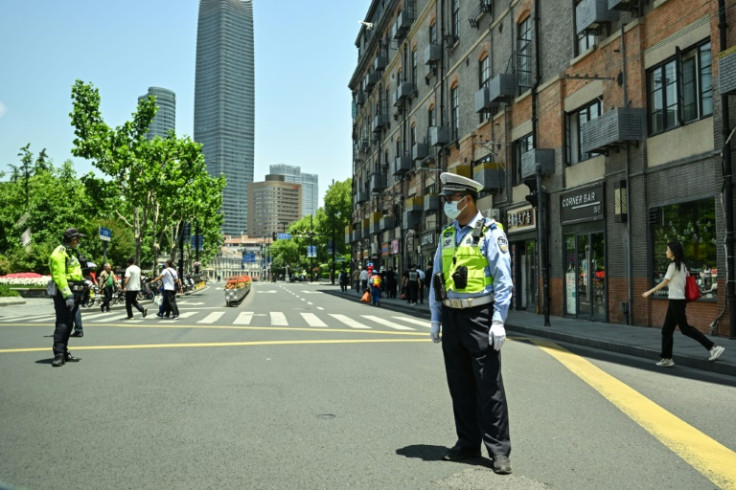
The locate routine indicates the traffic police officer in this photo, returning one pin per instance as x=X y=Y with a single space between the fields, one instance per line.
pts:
x=470 y=295
x=66 y=272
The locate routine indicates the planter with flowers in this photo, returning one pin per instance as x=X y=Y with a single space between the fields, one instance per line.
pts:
x=236 y=288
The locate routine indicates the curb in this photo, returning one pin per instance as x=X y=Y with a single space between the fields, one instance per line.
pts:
x=10 y=301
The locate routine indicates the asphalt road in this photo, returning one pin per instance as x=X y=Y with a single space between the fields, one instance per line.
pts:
x=297 y=389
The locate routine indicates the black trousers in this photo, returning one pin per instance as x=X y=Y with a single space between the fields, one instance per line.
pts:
x=64 y=322
x=170 y=303
x=131 y=300
x=107 y=291
x=473 y=370
x=676 y=316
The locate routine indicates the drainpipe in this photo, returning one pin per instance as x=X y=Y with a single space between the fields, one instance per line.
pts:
x=629 y=311
x=727 y=183
x=541 y=195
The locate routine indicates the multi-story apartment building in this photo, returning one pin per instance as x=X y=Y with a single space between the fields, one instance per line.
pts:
x=596 y=127
x=309 y=182
x=165 y=118
x=273 y=205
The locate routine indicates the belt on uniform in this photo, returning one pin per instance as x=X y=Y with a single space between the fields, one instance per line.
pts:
x=469 y=302
x=76 y=286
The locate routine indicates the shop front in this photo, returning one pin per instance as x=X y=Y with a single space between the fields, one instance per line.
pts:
x=521 y=230
x=582 y=214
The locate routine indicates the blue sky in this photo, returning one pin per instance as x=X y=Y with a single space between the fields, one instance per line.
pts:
x=305 y=55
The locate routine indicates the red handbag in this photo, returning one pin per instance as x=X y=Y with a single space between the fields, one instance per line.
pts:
x=692 y=291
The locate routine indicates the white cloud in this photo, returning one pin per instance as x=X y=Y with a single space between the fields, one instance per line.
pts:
x=3 y=109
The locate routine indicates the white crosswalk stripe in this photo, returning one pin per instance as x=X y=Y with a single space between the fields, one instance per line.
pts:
x=421 y=323
x=348 y=321
x=313 y=320
x=212 y=317
x=278 y=319
x=386 y=323
x=244 y=318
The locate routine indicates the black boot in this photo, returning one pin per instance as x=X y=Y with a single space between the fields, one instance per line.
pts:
x=68 y=357
x=58 y=360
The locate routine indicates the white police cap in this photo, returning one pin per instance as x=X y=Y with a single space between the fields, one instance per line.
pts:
x=454 y=184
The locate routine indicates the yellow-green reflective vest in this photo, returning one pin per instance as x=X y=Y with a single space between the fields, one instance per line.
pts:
x=64 y=267
x=466 y=253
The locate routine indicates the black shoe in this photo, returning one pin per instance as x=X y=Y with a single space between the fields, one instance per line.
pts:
x=459 y=453
x=145 y=312
x=68 y=357
x=58 y=360
x=501 y=465
x=77 y=334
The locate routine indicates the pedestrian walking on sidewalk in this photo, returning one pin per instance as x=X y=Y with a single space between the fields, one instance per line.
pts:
x=469 y=301
x=674 y=279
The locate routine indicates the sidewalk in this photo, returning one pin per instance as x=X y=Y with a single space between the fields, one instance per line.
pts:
x=644 y=342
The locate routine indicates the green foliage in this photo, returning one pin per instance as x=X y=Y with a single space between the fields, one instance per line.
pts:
x=5 y=291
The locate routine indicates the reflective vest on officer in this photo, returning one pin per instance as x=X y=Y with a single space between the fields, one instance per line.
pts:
x=466 y=253
x=65 y=268
x=376 y=281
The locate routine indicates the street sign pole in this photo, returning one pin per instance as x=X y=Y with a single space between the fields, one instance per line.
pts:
x=105 y=234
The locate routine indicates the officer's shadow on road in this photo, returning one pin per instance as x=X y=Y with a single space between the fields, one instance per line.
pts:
x=427 y=452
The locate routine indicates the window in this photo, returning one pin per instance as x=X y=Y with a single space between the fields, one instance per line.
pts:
x=586 y=40
x=414 y=68
x=484 y=77
x=574 y=137
x=413 y=135
x=455 y=112
x=680 y=90
x=524 y=54
x=693 y=224
x=433 y=33
x=521 y=146
x=430 y=117
x=455 y=31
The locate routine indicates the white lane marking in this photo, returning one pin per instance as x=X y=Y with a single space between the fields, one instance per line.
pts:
x=348 y=321
x=188 y=314
x=421 y=323
x=386 y=323
x=278 y=318
x=244 y=318
x=212 y=317
x=312 y=320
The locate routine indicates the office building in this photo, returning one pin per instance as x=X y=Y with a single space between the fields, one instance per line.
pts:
x=309 y=182
x=224 y=102
x=165 y=118
x=597 y=139
x=273 y=205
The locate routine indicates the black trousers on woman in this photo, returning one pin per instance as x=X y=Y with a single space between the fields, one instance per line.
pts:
x=676 y=317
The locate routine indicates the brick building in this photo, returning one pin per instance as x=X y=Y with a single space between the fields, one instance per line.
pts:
x=611 y=109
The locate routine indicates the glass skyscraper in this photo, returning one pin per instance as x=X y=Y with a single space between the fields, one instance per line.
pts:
x=165 y=118
x=224 y=101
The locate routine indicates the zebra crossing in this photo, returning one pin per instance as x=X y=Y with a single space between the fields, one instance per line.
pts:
x=318 y=320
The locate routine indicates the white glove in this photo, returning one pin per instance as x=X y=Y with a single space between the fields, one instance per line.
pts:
x=70 y=302
x=497 y=335
x=434 y=332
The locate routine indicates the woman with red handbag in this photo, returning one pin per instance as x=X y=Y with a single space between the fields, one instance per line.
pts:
x=675 y=279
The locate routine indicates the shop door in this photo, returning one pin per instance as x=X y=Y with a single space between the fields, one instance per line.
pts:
x=586 y=276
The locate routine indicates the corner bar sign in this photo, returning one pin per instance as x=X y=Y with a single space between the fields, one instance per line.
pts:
x=105 y=234
x=582 y=205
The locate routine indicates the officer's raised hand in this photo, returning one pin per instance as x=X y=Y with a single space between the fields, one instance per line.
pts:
x=434 y=332
x=497 y=335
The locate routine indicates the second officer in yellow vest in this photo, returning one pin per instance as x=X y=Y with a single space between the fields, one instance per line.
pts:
x=470 y=293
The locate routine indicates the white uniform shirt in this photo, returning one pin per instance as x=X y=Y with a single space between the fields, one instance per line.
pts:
x=676 y=285
x=133 y=275
x=170 y=277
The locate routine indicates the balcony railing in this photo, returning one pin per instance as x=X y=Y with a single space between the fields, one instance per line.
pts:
x=419 y=151
x=727 y=72
x=386 y=223
x=613 y=128
x=543 y=157
x=431 y=202
x=491 y=174
x=592 y=14
x=438 y=135
x=483 y=101
x=377 y=182
x=432 y=54
x=402 y=164
x=502 y=87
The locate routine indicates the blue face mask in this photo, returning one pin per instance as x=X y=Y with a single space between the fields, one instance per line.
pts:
x=451 y=210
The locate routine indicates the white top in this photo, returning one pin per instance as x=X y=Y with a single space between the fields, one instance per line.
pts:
x=677 y=281
x=364 y=275
x=170 y=277
x=133 y=276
